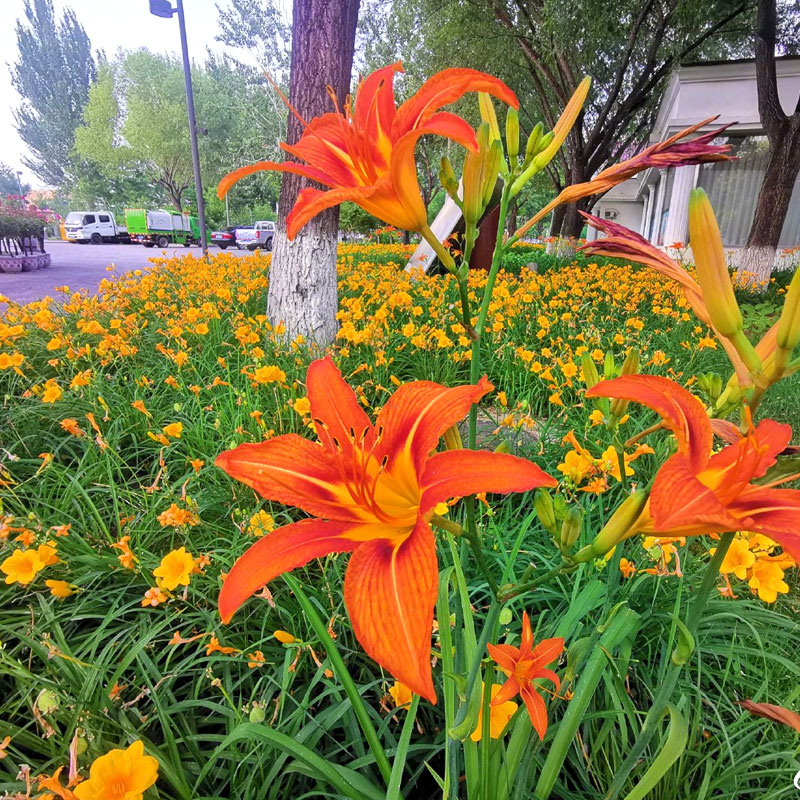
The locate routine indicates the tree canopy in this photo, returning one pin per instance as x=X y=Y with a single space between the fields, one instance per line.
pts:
x=53 y=73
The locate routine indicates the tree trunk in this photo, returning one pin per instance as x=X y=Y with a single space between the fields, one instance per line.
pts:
x=573 y=222
x=783 y=132
x=557 y=222
x=303 y=281
x=773 y=203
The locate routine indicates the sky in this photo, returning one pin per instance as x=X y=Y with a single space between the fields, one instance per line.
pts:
x=110 y=25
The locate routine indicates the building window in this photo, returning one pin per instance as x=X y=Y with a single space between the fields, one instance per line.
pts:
x=733 y=188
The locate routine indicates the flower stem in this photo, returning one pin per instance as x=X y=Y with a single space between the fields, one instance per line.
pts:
x=506 y=593
x=672 y=673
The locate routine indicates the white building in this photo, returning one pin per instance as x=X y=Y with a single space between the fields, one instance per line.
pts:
x=655 y=202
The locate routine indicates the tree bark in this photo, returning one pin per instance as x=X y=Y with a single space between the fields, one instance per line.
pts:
x=302 y=295
x=783 y=133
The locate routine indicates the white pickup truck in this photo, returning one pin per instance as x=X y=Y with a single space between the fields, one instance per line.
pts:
x=259 y=236
x=95 y=227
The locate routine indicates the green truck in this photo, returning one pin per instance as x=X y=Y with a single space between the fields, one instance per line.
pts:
x=161 y=228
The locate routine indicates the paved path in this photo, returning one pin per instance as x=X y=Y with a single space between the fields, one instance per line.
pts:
x=83 y=266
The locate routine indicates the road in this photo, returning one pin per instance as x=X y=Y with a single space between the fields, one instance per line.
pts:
x=83 y=266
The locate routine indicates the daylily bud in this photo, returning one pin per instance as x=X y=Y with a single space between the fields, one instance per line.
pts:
x=712 y=267
x=532 y=147
x=609 y=366
x=543 y=505
x=629 y=367
x=512 y=134
x=711 y=384
x=571 y=528
x=788 y=336
x=473 y=178
x=618 y=527
x=448 y=178
x=545 y=141
x=452 y=438
x=492 y=166
x=590 y=375
x=631 y=364
x=488 y=115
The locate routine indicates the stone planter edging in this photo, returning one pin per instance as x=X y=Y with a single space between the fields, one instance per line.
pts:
x=13 y=264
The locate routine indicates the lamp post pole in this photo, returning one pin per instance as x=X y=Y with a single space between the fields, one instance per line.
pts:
x=19 y=181
x=162 y=8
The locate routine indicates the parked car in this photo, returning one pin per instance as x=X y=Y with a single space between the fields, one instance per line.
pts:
x=224 y=238
x=259 y=236
x=95 y=227
x=162 y=228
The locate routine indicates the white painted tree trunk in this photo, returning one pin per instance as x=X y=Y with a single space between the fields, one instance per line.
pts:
x=303 y=285
x=755 y=265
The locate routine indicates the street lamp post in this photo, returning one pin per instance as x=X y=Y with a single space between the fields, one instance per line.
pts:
x=163 y=8
x=19 y=181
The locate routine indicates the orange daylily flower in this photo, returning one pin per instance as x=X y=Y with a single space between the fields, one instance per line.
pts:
x=696 y=492
x=372 y=491
x=524 y=665
x=366 y=154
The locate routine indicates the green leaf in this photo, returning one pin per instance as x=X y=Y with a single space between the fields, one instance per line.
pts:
x=671 y=752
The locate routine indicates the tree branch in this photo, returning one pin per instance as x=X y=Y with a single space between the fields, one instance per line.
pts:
x=769 y=104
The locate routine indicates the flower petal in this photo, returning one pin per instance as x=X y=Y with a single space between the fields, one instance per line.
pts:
x=417 y=414
x=337 y=414
x=548 y=675
x=537 y=710
x=682 y=506
x=327 y=146
x=504 y=655
x=457 y=473
x=374 y=108
x=390 y=591
x=281 y=551
x=311 y=202
x=294 y=471
x=547 y=651
x=682 y=412
x=443 y=88
x=224 y=186
x=508 y=690
x=751 y=456
x=775 y=513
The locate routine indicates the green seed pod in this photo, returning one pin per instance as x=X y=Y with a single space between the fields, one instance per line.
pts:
x=257 y=715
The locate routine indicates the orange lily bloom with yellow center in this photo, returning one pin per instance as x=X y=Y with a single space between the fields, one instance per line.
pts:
x=524 y=665
x=366 y=154
x=697 y=491
x=372 y=490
